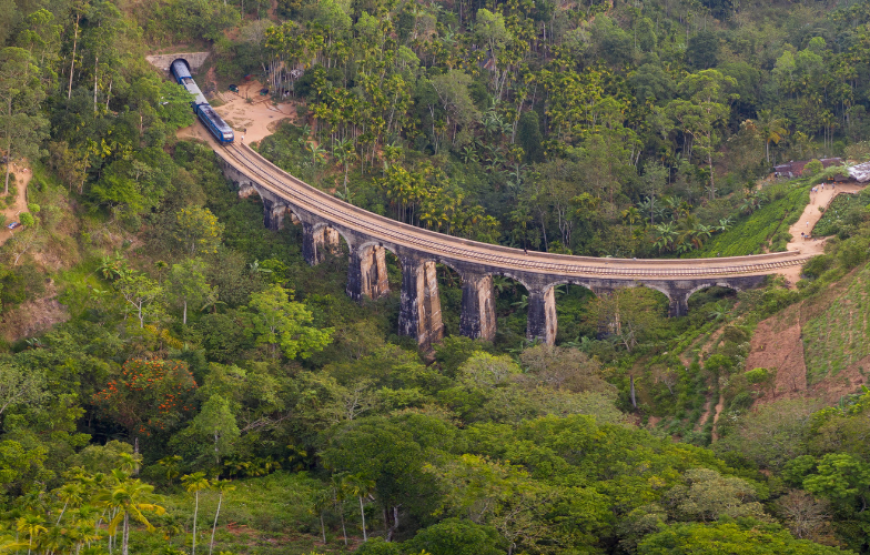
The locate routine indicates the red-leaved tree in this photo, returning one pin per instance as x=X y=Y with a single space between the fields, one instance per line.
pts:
x=149 y=396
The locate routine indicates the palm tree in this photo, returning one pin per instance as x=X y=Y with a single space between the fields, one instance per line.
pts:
x=772 y=129
x=222 y=487
x=318 y=153
x=30 y=524
x=195 y=483
x=338 y=495
x=69 y=493
x=523 y=303
x=359 y=487
x=666 y=235
x=719 y=311
x=128 y=498
x=212 y=300
x=631 y=215
x=346 y=154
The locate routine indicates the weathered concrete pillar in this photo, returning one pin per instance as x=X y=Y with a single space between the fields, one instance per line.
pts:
x=478 y=307
x=420 y=310
x=367 y=273
x=273 y=214
x=679 y=304
x=318 y=241
x=542 y=321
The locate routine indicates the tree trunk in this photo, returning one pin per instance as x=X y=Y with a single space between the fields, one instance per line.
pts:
x=362 y=512
x=322 y=528
x=96 y=74
x=72 y=68
x=214 y=528
x=195 y=512
x=125 y=541
x=340 y=514
x=184 y=318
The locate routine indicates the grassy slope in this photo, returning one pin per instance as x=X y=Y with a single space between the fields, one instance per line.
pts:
x=753 y=233
x=838 y=337
x=271 y=515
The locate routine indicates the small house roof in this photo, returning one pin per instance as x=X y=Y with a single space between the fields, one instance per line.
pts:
x=860 y=172
x=797 y=168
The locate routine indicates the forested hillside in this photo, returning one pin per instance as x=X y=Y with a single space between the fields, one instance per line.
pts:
x=175 y=379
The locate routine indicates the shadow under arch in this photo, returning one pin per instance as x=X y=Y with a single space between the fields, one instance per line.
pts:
x=714 y=291
x=186 y=63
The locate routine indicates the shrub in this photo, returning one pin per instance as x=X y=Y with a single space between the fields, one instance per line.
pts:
x=812 y=168
x=757 y=375
x=817 y=266
x=27 y=218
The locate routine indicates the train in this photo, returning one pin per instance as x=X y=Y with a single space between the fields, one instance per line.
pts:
x=215 y=124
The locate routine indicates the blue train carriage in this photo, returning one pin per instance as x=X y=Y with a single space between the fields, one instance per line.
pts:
x=215 y=124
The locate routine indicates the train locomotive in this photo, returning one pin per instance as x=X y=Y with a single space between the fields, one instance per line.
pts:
x=215 y=124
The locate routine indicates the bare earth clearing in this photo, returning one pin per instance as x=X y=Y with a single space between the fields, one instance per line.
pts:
x=254 y=120
x=22 y=179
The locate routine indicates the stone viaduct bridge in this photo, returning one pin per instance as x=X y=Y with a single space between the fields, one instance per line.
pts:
x=326 y=219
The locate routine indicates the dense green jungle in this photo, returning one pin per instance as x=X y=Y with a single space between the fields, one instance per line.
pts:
x=175 y=379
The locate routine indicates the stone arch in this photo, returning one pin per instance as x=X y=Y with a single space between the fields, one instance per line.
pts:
x=707 y=285
x=186 y=63
x=565 y=321
x=722 y=284
x=328 y=225
x=568 y=281
x=362 y=247
x=663 y=289
x=510 y=275
x=367 y=274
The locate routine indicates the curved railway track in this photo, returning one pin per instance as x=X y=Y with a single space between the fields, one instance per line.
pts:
x=445 y=247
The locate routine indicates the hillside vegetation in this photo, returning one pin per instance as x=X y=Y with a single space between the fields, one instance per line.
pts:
x=174 y=379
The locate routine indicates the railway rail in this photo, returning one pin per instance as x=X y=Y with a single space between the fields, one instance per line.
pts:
x=341 y=214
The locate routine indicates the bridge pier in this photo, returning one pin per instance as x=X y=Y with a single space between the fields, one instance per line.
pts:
x=478 y=307
x=420 y=308
x=679 y=305
x=367 y=273
x=542 y=323
x=318 y=240
x=273 y=214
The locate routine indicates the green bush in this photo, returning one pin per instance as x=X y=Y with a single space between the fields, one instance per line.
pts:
x=817 y=266
x=757 y=375
x=27 y=218
x=812 y=168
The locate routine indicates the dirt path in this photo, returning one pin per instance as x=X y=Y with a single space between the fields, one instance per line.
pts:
x=719 y=406
x=808 y=220
x=705 y=415
x=22 y=179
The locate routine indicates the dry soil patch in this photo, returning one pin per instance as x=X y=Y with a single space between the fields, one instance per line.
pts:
x=22 y=179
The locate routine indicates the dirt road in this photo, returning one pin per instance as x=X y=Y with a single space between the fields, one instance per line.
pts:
x=808 y=220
